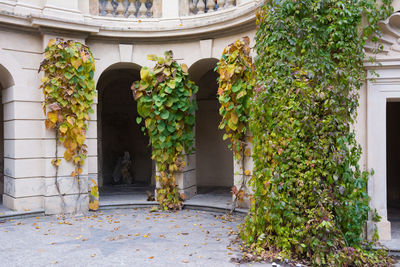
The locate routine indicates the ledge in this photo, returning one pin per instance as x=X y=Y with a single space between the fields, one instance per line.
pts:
x=233 y=20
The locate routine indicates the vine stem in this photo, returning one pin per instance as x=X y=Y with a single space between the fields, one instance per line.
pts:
x=79 y=187
x=242 y=185
x=56 y=174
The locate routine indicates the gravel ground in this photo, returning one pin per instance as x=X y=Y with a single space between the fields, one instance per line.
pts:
x=121 y=237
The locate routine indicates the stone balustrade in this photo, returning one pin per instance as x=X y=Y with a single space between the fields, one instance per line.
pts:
x=126 y=8
x=144 y=8
x=208 y=6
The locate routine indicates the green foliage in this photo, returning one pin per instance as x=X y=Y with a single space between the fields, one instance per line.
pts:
x=164 y=102
x=69 y=90
x=310 y=201
x=236 y=83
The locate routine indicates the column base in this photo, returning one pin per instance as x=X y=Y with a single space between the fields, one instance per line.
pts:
x=23 y=203
x=53 y=204
x=384 y=230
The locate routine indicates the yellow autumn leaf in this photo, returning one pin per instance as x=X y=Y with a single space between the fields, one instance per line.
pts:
x=93 y=181
x=184 y=68
x=94 y=205
x=144 y=73
x=76 y=62
x=247 y=172
x=80 y=139
x=52 y=116
x=76 y=160
x=67 y=155
x=234 y=118
x=63 y=128
x=51 y=42
x=247 y=152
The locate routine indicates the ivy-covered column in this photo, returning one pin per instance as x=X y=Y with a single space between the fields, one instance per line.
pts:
x=166 y=109
x=242 y=170
x=185 y=178
x=310 y=201
x=236 y=84
x=68 y=87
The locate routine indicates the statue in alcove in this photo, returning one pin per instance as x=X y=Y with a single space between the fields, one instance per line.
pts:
x=122 y=174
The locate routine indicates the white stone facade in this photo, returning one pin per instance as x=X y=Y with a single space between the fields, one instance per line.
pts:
x=116 y=43
x=123 y=43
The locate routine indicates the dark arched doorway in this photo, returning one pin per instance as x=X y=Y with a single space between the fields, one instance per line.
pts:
x=214 y=161
x=125 y=165
x=393 y=167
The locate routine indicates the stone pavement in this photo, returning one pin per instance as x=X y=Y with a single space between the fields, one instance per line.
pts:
x=121 y=237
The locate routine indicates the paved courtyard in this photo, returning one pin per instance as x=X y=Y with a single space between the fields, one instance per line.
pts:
x=121 y=237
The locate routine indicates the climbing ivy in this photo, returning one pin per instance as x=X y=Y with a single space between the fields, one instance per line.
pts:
x=165 y=103
x=236 y=83
x=310 y=201
x=68 y=88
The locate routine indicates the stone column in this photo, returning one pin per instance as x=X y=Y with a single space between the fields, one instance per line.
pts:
x=157 y=8
x=186 y=179
x=184 y=8
x=28 y=7
x=23 y=141
x=378 y=93
x=170 y=8
x=63 y=9
x=243 y=169
x=75 y=192
x=170 y=12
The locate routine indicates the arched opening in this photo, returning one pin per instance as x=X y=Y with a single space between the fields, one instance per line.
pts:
x=393 y=167
x=6 y=81
x=125 y=165
x=214 y=161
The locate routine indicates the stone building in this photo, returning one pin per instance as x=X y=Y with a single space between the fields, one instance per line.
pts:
x=120 y=35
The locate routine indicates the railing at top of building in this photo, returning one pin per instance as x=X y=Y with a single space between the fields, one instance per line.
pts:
x=208 y=6
x=126 y=8
x=148 y=8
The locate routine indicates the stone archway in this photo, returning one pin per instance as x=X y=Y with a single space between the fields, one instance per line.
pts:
x=120 y=137
x=382 y=112
x=214 y=161
x=6 y=81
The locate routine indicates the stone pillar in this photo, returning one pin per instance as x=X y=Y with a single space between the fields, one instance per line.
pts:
x=157 y=8
x=170 y=8
x=63 y=9
x=23 y=142
x=379 y=91
x=243 y=169
x=186 y=179
x=28 y=7
x=86 y=7
x=170 y=12
x=75 y=191
x=184 y=8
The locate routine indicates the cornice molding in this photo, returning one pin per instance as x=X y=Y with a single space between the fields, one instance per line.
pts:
x=234 y=20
